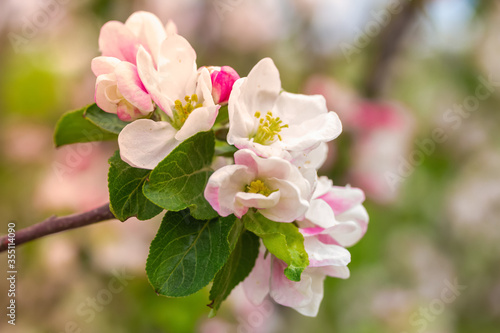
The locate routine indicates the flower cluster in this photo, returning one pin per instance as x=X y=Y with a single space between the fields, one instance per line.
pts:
x=148 y=76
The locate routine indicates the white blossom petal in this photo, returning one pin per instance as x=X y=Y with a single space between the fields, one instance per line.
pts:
x=200 y=120
x=258 y=200
x=321 y=254
x=149 y=31
x=262 y=86
x=144 y=143
x=321 y=214
x=104 y=65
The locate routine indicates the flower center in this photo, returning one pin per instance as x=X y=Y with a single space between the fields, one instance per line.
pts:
x=269 y=128
x=258 y=186
x=181 y=111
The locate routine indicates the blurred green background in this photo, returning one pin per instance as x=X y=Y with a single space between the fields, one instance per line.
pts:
x=397 y=72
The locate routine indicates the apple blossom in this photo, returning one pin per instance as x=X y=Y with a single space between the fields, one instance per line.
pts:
x=181 y=91
x=223 y=79
x=118 y=86
x=274 y=186
x=336 y=214
x=277 y=124
x=304 y=296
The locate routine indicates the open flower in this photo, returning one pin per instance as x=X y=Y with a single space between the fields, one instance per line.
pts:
x=274 y=186
x=277 y=124
x=118 y=86
x=182 y=92
x=336 y=214
x=305 y=296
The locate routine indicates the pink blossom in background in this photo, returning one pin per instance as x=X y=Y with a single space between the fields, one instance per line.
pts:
x=231 y=25
x=382 y=135
x=250 y=318
x=26 y=143
x=76 y=180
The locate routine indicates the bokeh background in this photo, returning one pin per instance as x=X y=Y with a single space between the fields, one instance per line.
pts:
x=417 y=87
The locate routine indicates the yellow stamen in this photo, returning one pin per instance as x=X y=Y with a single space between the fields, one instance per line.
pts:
x=269 y=128
x=182 y=111
x=258 y=186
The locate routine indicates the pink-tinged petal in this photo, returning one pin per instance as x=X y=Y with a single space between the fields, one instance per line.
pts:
x=116 y=40
x=342 y=199
x=257 y=200
x=200 y=120
x=149 y=31
x=286 y=292
x=325 y=255
x=346 y=233
x=223 y=185
x=323 y=186
x=105 y=86
x=311 y=231
x=222 y=83
x=246 y=157
x=262 y=87
x=131 y=87
x=321 y=214
x=150 y=78
x=327 y=239
x=144 y=143
x=291 y=206
x=341 y=272
x=104 y=65
x=358 y=218
x=127 y=112
x=177 y=66
x=256 y=285
x=317 y=279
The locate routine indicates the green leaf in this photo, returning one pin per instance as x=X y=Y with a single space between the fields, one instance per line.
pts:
x=281 y=239
x=125 y=191
x=105 y=120
x=179 y=181
x=223 y=149
x=236 y=269
x=223 y=115
x=73 y=127
x=187 y=253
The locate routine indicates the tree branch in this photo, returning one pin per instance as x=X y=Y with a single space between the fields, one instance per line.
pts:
x=55 y=224
x=389 y=45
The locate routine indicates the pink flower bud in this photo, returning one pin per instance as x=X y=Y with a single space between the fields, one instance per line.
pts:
x=223 y=79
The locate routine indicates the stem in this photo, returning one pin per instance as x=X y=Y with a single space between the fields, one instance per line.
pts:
x=55 y=224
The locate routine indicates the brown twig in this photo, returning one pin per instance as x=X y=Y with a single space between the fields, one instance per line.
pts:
x=389 y=45
x=55 y=224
